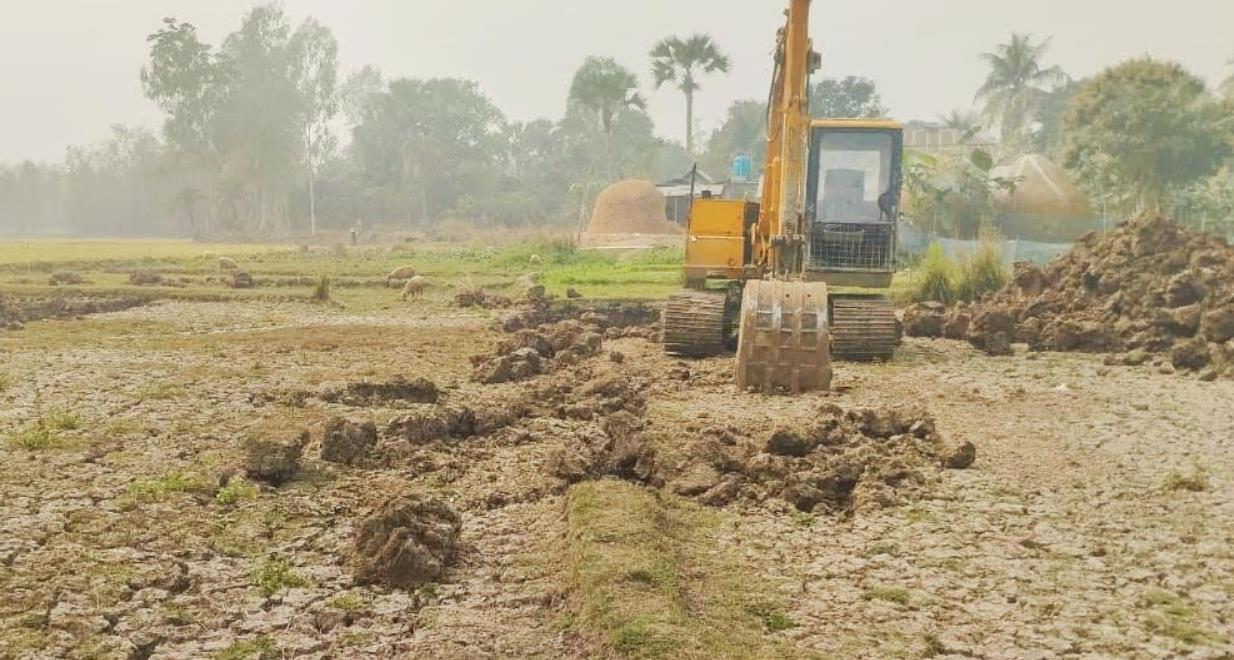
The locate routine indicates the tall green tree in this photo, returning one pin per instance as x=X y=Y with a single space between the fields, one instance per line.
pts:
x=604 y=87
x=852 y=97
x=315 y=71
x=425 y=144
x=682 y=62
x=1140 y=129
x=360 y=86
x=189 y=82
x=1015 y=84
x=744 y=132
x=260 y=120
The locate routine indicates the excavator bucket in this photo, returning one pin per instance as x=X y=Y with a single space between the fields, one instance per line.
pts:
x=783 y=344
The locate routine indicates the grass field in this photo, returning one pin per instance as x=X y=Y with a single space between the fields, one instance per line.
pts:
x=357 y=273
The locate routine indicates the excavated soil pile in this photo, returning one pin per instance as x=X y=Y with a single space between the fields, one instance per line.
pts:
x=408 y=541
x=631 y=207
x=16 y=311
x=544 y=336
x=847 y=460
x=1151 y=286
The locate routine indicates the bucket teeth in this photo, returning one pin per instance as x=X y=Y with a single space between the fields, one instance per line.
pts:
x=783 y=343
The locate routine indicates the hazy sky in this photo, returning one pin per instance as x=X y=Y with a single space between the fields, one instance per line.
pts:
x=69 y=68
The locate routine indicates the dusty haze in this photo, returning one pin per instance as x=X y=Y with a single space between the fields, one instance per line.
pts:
x=70 y=67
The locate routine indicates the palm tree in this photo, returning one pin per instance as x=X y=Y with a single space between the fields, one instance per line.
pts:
x=1015 y=83
x=967 y=122
x=604 y=87
x=681 y=61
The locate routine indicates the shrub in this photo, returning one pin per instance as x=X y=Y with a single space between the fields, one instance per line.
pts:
x=321 y=293
x=981 y=273
x=936 y=277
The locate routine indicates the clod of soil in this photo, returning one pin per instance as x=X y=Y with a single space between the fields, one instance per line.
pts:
x=241 y=280
x=365 y=393
x=272 y=459
x=481 y=298
x=1151 y=286
x=346 y=441
x=439 y=423
x=408 y=541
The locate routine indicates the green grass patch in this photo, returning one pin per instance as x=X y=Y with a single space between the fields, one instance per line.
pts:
x=235 y=491
x=62 y=420
x=156 y=489
x=1178 y=618
x=35 y=437
x=274 y=575
x=650 y=581
x=160 y=392
x=897 y=595
x=259 y=648
x=1195 y=481
x=347 y=603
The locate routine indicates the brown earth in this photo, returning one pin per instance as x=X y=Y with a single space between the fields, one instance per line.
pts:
x=1151 y=286
x=1085 y=526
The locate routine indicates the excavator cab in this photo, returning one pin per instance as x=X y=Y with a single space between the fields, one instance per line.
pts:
x=852 y=201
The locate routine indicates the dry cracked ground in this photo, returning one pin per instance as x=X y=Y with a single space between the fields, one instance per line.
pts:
x=1094 y=523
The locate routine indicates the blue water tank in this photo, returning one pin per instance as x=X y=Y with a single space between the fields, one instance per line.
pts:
x=742 y=168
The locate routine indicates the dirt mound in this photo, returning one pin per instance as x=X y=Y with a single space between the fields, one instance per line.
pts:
x=481 y=298
x=346 y=441
x=1151 y=285
x=274 y=458
x=858 y=459
x=631 y=207
x=529 y=351
x=400 y=390
x=408 y=541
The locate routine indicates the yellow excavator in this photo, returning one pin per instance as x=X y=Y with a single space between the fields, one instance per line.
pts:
x=827 y=217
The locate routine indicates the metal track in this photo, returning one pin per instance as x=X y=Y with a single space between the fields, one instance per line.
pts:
x=863 y=328
x=782 y=345
x=695 y=324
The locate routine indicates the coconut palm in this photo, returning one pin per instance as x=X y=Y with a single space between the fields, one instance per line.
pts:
x=967 y=122
x=1015 y=84
x=1228 y=85
x=604 y=87
x=682 y=61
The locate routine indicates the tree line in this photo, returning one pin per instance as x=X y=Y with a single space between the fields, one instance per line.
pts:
x=264 y=136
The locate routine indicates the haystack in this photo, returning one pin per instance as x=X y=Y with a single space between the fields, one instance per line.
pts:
x=631 y=207
x=1044 y=204
x=1042 y=187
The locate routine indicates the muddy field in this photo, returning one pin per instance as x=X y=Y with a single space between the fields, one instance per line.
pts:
x=457 y=517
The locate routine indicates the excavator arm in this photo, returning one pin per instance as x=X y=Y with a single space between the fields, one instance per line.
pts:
x=778 y=237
